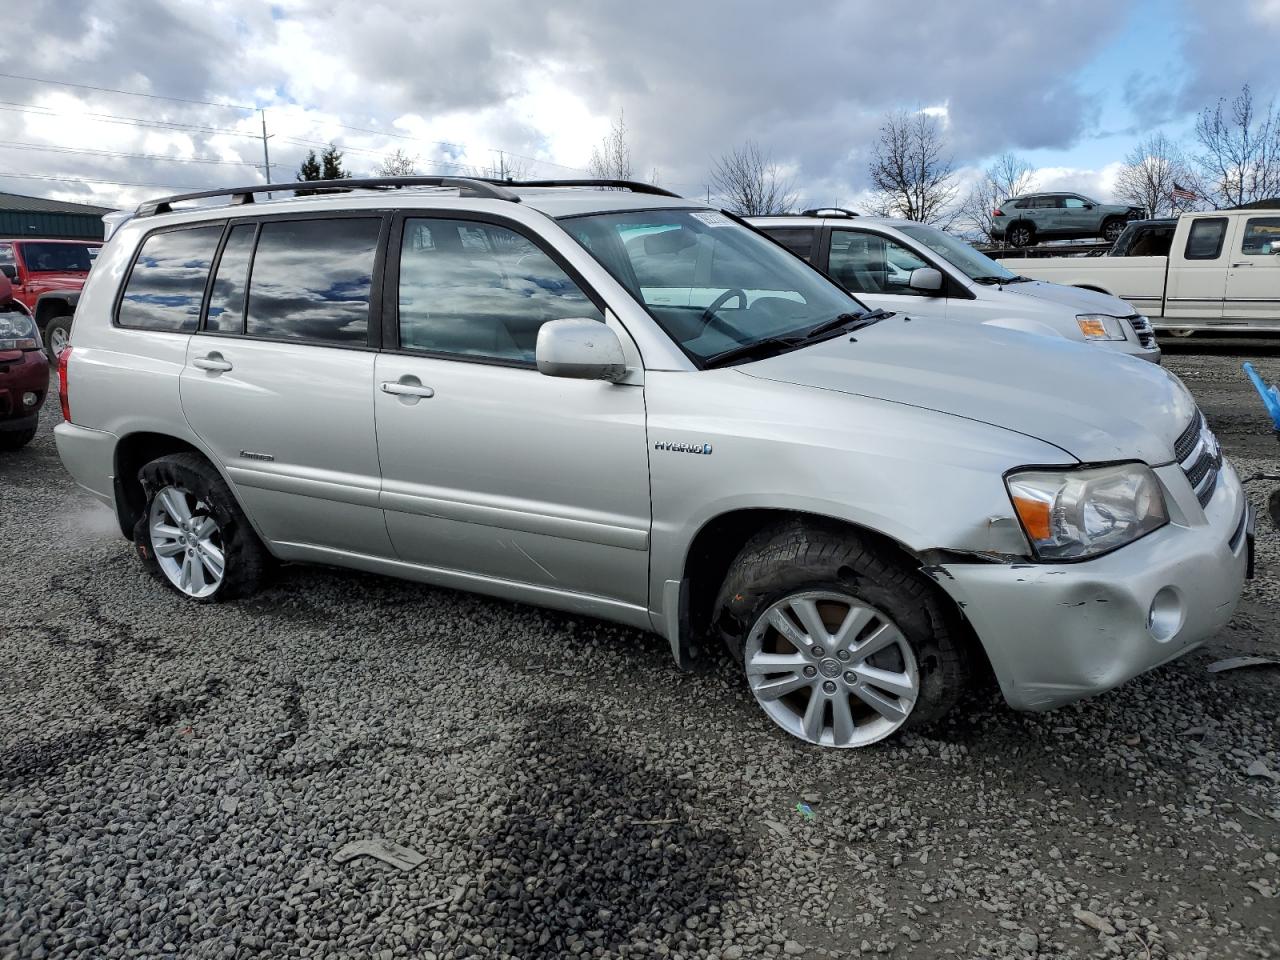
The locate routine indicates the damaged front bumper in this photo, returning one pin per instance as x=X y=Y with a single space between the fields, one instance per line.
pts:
x=1058 y=632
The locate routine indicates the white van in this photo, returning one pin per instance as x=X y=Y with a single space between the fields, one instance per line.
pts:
x=919 y=270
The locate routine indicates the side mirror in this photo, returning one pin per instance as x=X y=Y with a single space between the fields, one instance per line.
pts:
x=926 y=278
x=580 y=349
x=10 y=272
x=1088 y=206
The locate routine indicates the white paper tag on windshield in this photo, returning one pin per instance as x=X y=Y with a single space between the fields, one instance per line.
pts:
x=713 y=219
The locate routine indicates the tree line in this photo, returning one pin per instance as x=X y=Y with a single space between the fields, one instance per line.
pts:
x=1235 y=160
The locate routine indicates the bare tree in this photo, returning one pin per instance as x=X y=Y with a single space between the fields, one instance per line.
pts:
x=503 y=167
x=749 y=183
x=397 y=164
x=1241 y=150
x=911 y=170
x=611 y=160
x=1008 y=176
x=1152 y=171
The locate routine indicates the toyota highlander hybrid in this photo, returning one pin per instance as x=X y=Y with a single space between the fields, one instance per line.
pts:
x=630 y=405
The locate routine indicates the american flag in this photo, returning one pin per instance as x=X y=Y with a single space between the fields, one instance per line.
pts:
x=1182 y=193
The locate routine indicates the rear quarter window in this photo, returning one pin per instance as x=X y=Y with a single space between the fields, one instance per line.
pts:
x=799 y=240
x=166 y=284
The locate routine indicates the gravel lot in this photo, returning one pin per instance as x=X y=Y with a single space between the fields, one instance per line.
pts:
x=175 y=781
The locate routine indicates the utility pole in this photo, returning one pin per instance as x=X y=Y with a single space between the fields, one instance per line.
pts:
x=502 y=166
x=266 y=154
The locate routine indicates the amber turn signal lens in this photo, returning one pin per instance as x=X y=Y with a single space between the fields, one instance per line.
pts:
x=1034 y=515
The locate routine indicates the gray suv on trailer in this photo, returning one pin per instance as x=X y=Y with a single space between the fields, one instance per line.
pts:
x=630 y=405
x=1025 y=221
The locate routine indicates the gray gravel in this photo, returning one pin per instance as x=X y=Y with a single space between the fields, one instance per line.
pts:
x=175 y=781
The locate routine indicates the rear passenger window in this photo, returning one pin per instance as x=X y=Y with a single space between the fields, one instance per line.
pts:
x=799 y=240
x=1204 y=242
x=481 y=291
x=231 y=282
x=311 y=280
x=166 y=285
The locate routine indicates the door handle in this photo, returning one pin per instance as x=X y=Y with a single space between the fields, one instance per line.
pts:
x=1245 y=263
x=213 y=363
x=406 y=389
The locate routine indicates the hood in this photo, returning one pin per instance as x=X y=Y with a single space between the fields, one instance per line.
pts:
x=1081 y=301
x=59 y=280
x=1097 y=405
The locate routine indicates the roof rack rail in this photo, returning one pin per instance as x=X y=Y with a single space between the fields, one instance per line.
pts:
x=467 y=186
x=828 y=212
x=634 y=186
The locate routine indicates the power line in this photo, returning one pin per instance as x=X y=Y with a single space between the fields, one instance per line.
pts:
x=12 y=145
x=114 y=118
x=115 y=183
x=127 y=93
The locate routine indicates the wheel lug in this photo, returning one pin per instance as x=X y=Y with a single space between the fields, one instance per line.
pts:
x=829 y=687
x=842 y=654
x=818 y=652
x=850 y=677
x=810 y=671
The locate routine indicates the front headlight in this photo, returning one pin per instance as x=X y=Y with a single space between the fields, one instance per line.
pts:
x=1073 y=514
x=1099 y=326
x=18 y=332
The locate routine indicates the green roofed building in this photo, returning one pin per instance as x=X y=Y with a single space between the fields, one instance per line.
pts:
x=32 y=218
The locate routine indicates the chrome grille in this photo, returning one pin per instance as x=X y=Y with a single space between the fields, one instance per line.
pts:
x=1142 y=327
x=1200 y=457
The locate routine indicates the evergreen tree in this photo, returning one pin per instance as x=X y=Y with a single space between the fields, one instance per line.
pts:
x=310 y=170
x=331 y=161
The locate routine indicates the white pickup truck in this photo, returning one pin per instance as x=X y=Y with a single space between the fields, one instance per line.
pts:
x=1222 y=273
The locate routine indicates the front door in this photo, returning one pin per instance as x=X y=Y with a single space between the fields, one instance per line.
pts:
x=1253 y=278
x=279 y=381
x=488 y=467
x=1198 y=272
x=877 y=270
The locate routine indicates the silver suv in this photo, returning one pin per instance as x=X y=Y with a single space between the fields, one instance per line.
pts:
x=630 y=405
x=1025 y=221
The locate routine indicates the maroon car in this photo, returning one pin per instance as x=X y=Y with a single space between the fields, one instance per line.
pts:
x=24 y=371
x=47 y=276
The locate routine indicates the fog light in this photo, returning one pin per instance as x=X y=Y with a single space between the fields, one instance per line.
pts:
x=1164 y=619
x=29 y=399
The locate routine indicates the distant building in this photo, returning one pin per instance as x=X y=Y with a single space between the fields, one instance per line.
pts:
x=35 y=217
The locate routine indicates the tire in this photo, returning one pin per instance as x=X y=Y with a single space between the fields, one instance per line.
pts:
x=1112 y=227
x=1180 y=332
x=188 y=558
x=1021 y=234
x=905 y=630
x=17 y=439
x=57 y=334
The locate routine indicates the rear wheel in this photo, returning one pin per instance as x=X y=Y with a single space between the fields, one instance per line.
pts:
x=16 y=439
x=193 y=535
x=841 y=646
x=1022 y=235
x=57 y=336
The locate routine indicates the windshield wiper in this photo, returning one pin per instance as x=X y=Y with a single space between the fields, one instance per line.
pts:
x=843 y=323
x=1001 y=280
x=743 y=351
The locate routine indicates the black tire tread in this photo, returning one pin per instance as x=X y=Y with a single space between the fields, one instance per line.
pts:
x=17 y=439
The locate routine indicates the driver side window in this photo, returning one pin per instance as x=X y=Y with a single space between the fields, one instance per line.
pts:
x=868 y=263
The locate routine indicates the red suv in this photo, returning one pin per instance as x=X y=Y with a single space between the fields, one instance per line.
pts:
x=24 y=371
x=47 y=276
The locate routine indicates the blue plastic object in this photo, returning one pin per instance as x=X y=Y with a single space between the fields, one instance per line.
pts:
x=1270 y=395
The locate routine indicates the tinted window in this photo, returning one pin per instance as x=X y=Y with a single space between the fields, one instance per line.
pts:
x=1205 y=240
x=479 y=290
x=1074 y=203
x=868 y=263
x=56 y=257
x=166 y=285
x=799 y=240
x=1261 y=237
x=311 y=280
x=226 y=302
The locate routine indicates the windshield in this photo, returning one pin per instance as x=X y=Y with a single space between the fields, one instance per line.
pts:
x=712 y=284
x=56 y=257
x=956 y=252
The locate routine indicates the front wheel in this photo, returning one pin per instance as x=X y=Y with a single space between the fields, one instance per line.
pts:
x=193 y=535
x=841 y=646
x=1112 y=229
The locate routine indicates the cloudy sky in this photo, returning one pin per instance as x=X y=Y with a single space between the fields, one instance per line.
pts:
x=1070 y=85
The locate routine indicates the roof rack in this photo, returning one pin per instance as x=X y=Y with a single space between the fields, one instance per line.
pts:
x=634 y=186
x=466 y=186
x=828 y=212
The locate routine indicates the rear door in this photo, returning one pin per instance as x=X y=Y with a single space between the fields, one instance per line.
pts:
x=877 y=270
x=1197 y=279
x=1253 y=277
x=490 y=468
x=279 y=379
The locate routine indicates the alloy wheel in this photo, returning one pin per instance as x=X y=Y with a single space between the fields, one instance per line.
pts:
x=831 y=669
x=187 y=541
x=58 y=340
x=1020 y=237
